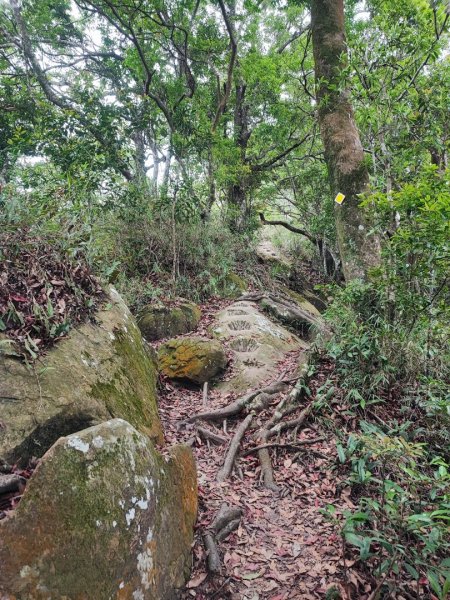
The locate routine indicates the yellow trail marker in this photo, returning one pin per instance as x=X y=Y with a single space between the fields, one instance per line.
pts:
x=339 y=198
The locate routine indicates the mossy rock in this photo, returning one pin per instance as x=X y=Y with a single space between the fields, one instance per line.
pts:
x=158 y=321
x=103 y=516
x=193 y=359
x=301 y=300
x=236 y=285
x=99 y=371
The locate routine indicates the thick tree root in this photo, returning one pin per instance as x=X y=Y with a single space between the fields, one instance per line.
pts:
x=224 y=523
x=296 y=446
x=211 y=435
x=267 y=470
x=274 y=426
x=225 y=471
x=239 y=405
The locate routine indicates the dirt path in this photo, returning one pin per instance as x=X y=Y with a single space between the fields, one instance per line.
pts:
x=284 y=547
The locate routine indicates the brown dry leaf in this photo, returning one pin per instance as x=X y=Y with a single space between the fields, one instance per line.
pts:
x=196 y=581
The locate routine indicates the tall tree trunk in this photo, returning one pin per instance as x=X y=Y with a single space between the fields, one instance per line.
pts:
x=343 y=149
x=238 y=192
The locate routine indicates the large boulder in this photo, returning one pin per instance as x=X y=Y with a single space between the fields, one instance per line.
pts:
x=103 y=516
x=99 y=371
x=193 y=359
x=160 y=321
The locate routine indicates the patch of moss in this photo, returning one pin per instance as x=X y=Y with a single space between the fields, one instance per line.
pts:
x=131 y=392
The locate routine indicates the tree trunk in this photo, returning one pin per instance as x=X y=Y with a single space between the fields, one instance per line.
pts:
x=343 y=149
x=237 y=206
x=238 y=192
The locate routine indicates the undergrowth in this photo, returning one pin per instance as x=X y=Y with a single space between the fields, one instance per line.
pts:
x=44 y=292
x=154 y=258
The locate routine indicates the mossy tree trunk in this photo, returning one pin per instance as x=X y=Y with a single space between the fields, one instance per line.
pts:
x=343 y=149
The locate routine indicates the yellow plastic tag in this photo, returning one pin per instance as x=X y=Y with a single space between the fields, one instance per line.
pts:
x=339 y=198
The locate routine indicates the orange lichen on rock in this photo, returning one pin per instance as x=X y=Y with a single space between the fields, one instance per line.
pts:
x=195 y=359
x=104 y=516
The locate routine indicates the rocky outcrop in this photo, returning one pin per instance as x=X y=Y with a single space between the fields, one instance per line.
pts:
x=100 y=370
x=158 y=321
x=194 y=359
x=293 y=310
x=104 y=516
x=257 y=344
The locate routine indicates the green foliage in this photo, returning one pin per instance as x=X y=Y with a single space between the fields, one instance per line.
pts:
x=391 y=334
x=402 y=522
x=154 y=258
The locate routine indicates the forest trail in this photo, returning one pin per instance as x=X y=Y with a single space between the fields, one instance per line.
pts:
x=284 y=547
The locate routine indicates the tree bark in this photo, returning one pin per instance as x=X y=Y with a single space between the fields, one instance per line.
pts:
x=343 y=149
x=237 y=195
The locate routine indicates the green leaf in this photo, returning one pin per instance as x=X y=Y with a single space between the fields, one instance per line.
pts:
x=341 y=453
x=411 y=570
x=434 y=583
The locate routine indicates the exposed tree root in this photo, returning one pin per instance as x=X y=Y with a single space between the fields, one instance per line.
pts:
x=274 y=426
x=227 y=519
x=224 y=523
x=225 y=471
x=296 y=446
x=267 y=470
x=211 y=435
x=238 y=405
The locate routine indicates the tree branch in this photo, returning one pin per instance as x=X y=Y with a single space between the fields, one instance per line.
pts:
x=224 y=100
x=290 y=227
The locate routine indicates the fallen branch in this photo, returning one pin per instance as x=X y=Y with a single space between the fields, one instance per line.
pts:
x=296 y=446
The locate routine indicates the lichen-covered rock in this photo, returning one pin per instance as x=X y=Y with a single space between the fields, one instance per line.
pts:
x=194 y=359
x=158 y=321
x=103 y=516
x=100 y=370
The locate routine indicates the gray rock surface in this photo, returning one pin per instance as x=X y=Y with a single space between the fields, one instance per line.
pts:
x=104 y=516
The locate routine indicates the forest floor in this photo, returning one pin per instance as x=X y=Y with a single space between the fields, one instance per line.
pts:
x=284 y=547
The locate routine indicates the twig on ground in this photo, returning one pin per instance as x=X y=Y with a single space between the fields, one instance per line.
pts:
x=296 y=446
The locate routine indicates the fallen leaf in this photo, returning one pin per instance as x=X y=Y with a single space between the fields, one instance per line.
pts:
x=251 y=576
x=197 y=580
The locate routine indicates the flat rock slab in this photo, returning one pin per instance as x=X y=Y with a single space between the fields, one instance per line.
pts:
x=269 y=253
x=104 y=515
x=256 y=342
